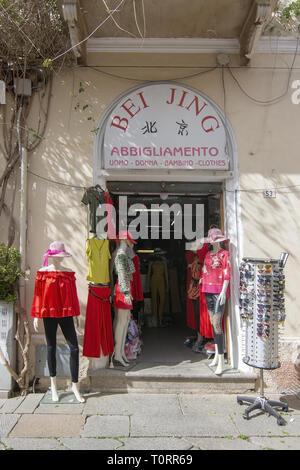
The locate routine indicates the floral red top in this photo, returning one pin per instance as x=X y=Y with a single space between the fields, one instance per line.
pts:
x=216 y=270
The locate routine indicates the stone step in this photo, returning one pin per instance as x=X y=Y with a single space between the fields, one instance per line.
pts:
x=171 y=378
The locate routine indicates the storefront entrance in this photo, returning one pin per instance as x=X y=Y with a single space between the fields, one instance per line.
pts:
x=167 y=143
x=164 y=316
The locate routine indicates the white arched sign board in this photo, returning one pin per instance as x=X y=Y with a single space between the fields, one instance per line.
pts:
x=165 y=126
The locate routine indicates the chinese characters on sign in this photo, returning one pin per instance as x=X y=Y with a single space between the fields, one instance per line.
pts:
x=150 y=128
x=182 y=128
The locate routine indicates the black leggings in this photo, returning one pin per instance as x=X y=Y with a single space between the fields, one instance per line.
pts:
x=67 y=327
x=216 y=313
x=196 y=314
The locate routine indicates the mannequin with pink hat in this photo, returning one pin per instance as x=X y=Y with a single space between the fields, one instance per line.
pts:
x=215 y=284
x=125 y=269
x=56 y=302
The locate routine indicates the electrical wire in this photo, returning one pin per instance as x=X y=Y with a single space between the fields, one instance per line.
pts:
x=56 y=182
x=255 y=190
x=135 y=19
x=117 y=25
x=143 y=80
x=91 y=34
x=276 y=98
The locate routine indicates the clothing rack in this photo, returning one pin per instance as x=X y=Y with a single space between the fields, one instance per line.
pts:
x=262 y=313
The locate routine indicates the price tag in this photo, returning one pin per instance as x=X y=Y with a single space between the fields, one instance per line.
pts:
x=269 y=193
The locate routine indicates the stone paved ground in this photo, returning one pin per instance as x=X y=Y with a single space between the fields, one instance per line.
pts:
x=138 y=421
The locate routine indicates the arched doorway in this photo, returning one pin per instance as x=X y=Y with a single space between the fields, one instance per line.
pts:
x=120 y=156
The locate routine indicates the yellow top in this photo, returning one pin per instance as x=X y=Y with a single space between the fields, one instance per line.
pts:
x=98 y=254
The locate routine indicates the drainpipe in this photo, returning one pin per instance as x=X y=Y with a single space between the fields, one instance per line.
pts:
x=23 y=208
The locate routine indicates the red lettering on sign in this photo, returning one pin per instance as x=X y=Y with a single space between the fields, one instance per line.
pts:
x=209 y=129
x=118 y=124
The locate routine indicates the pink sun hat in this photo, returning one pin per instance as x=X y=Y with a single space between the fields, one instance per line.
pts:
x=214 y=235
x=55 y=249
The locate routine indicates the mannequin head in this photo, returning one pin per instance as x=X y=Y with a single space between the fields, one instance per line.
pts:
x=216 y=246
x=58 y=263
x=125 y=240
x=125 y=245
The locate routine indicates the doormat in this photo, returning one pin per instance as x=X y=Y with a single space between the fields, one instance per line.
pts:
x=65 y=398
x=228 y=369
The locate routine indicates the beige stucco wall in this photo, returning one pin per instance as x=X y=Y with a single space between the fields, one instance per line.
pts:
x=267 y=142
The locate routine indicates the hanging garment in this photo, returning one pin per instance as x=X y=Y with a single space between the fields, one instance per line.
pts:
x=158 y=287
x=98 y=255
x=133 y=343
x=124 y=268
x=119 y=298
x=174 y=290
x=137 y=290
x=98 y=334
x=92 y=198
x=216 y=270
x=190 y=316
x=205 y=324
x=111 y=229
x=196 y=269
x=55 y=295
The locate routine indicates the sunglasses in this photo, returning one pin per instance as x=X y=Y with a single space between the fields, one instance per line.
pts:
x=282 y=317
x=263 y=317
x=264 y=310
x=263 y=330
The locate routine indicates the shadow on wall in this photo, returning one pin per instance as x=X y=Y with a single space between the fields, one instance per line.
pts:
x=271 y=227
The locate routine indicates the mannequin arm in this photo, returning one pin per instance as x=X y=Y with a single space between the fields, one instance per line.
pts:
x=222 y=295
x=36 y=325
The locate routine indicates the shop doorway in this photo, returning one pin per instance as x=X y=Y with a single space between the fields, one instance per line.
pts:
x=163 y=314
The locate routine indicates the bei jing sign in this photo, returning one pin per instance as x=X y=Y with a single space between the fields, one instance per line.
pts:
x=165 y=125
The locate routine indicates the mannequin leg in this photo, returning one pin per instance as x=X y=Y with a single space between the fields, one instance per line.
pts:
x=76 y=392
x=214 y=362
x=121 y=326
x=216 y=313
x=124 y=337
x=50 y=326
x=69 y=332
x=219 y=341
x=53 y=387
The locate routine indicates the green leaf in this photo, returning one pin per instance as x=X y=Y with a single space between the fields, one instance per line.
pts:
x=47 y=63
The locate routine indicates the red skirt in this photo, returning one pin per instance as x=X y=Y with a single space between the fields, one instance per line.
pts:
x=205 y=325
x=98 y=334
x=55 y=295
x=137 y=290
x=119 y=300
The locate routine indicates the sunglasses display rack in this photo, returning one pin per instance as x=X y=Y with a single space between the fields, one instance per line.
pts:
x=262 y=312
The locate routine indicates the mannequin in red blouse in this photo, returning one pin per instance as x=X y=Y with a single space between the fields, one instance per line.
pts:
x=38 y=312
x=215 y=283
